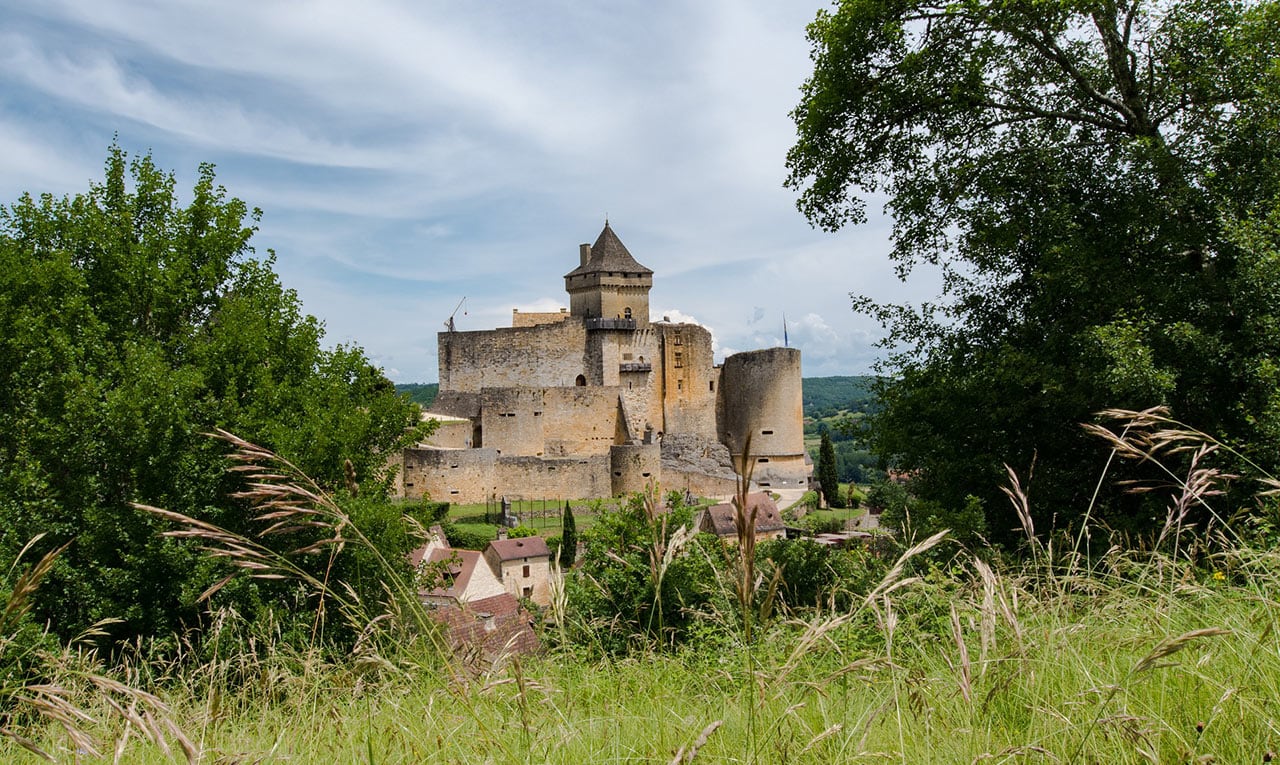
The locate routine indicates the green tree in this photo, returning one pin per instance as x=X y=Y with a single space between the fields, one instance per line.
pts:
x=568 y=538
x=130 y=325
x=828 y=477
x=1098 y=183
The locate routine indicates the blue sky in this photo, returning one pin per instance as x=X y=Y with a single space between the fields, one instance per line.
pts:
x=408 y=154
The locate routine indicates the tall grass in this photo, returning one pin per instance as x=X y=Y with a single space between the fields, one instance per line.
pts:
x=1156 y=655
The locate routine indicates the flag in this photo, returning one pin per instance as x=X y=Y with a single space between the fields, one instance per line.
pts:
x=784 y=332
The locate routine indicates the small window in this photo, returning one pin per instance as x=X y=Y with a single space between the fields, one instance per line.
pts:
x=679 y=384
x=763 y=459
x=679 y=360
x=677 y=339
x=537 y=414
x=712 y=385
x=528 y=592
x=626 y=313
x=525 y=572
x=766 y=432
x=581 y=382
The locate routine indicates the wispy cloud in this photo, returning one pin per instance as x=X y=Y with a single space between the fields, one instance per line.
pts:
x=409 y=153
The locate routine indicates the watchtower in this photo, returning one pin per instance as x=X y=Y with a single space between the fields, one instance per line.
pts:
x=609 y=287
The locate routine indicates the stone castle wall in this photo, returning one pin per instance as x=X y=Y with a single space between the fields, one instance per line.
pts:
x=634 y=467
x=689 y=378
x=542 y=356
x=478 y=475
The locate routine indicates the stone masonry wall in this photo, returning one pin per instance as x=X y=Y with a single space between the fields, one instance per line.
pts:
x=542 y=356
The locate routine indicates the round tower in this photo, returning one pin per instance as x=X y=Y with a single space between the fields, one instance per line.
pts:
x=762 y=414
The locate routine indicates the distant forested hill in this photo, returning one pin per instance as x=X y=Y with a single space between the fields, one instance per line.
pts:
x=826 y=396
x=419 y=393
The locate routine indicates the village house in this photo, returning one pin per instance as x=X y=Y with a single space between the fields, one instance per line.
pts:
x=467 y=596
x=523 y=566
x=721 y=519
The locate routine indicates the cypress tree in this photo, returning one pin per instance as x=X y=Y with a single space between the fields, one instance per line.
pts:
x=568 y=538
x=828 y=478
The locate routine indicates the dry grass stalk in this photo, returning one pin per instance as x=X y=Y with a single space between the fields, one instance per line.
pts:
x=1021 y=504
x=1170 y=646
x=965 y=670
x=745 y=523
x=686 y=755
x=893 y=579
x=289 y=502
x=823 y=736
x=75 y=677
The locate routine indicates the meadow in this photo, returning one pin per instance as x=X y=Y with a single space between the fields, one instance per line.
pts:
x=1068 y=650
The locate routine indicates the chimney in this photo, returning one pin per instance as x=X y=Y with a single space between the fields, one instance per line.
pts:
x=584 y=253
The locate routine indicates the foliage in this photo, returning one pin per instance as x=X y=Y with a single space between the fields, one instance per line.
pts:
x=826 y=396
x=1098 y=184
x=828 y=479
x=639 y=580
x=422 y=394
x=129 y=326
x=568 y=538
x=464 y=539
x=521 y=531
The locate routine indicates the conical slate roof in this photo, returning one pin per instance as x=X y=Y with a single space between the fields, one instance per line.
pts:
x=609 y=254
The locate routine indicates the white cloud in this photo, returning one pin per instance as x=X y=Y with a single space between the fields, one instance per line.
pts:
x=408 y=153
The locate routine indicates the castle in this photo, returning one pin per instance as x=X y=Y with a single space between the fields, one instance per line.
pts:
x=599 y=401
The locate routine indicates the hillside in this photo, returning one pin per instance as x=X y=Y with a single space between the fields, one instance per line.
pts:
x=826 y=396
x=422 y=394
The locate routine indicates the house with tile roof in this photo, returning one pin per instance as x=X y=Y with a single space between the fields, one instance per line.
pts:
x=523 y=565
x=722 y=519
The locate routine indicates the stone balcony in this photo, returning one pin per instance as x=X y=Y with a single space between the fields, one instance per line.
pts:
x=635 y=366
x=611 y=324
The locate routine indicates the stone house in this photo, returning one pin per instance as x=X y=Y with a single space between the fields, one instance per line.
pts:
x=523 y=566
x=721 y=519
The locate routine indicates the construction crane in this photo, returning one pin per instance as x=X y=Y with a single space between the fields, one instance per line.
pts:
x=449 y=324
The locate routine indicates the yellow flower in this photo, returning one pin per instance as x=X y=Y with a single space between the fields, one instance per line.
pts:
x=1218 y=576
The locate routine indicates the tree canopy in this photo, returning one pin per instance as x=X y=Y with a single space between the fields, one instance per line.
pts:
x=130 y=326
x=1099 y=182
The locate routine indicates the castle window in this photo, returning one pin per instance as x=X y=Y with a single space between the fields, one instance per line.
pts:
x=539 y=414
x=581 y=382
x=678 y=339
x=713 y=386
x=626 y=313
x=679 y=360
x=626 y=357
x=679 y=384
x=766 y=432
x=763 y=459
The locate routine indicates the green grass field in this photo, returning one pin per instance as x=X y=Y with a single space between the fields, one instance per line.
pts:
x=1138 y=660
